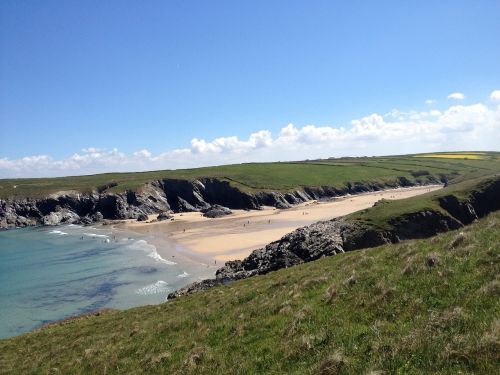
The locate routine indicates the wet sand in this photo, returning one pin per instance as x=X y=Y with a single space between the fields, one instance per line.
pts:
x=236 y=236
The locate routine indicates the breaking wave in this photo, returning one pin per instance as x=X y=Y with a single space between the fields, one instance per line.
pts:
x=153 y=253
x=158 y=287
x=96 y=235
x=59 y=232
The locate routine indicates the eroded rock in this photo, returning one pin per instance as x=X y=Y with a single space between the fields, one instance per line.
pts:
x=216 y=211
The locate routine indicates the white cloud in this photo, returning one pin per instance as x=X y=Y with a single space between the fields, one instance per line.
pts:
x=458 y=127
x=256 y=140
x=495 y=96
x=456 y=96
x=430 y=101
x=143 y=154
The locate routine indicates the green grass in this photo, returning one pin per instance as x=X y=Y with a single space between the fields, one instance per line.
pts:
x=418 y=307
x=381 y=215
x=268 y=176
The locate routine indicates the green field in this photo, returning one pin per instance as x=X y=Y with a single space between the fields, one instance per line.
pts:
x=419 y=307
x=270 y=176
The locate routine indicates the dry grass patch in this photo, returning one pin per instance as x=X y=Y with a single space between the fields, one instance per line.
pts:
x=491 y=288
x=490 y=341
x=195 y=357
x=333 y=364
x=330 y=294
x=351 y=280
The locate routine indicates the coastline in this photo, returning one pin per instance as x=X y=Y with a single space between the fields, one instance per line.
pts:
x=55 y=273
x=235 y=236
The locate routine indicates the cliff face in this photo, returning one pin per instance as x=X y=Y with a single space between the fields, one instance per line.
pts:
x=164 y=195
x=340 y=235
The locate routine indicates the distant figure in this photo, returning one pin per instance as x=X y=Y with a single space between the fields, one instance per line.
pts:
x=244 y=225
x=248 y=222
x=269 y=221
x=215 y=262
x=184 y=230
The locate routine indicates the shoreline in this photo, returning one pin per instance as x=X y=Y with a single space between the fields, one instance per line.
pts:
x=215 y=241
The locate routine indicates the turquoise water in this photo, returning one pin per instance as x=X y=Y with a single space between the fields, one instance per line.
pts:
x=47 y=274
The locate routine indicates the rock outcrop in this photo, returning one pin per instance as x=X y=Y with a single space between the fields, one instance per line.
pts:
x=216 y=211
x=165 y=215
x=306 y=244
x=142 y=217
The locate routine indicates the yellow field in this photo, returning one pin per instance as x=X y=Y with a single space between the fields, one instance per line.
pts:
x=470 y=155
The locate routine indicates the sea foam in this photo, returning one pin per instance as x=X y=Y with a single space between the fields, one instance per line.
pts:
x=158 y=287
x=182 y=275
x=96 y=235
x=59 y=232
x=153 y=253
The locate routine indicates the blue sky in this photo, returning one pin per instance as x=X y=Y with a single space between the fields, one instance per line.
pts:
x=122 y=77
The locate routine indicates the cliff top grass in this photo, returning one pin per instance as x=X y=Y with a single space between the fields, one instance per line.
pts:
x=417 y=307
x=382 y=214
x=254 y=177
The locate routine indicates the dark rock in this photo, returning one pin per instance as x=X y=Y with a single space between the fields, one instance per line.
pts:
x=292 y=199
x=424 y=224
x=142 y=217
x=185 y=206
x=282 y=205
x=183 y=195
x=86 y=220
x=460 y=210
x=302 y=245
x=404 y=182
x=486 y=198
x=97 y=217
x=164 y=216
x=216 y=211
x=194 y=287
x=220 y=192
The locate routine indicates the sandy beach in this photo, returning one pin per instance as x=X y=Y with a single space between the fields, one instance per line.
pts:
x=236 y=236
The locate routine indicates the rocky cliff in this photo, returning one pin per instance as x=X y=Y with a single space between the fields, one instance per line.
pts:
x=166 y=195
x=340 y=235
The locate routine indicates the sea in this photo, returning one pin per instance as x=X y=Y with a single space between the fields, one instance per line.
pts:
x=52 y=273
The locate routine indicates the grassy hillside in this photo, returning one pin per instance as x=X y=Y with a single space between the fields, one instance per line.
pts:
x=426 y=306
x=386 y=211
x=274 y=176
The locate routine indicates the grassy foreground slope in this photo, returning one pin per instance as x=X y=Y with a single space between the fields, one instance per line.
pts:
x=417 y=307
x=274 y=176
